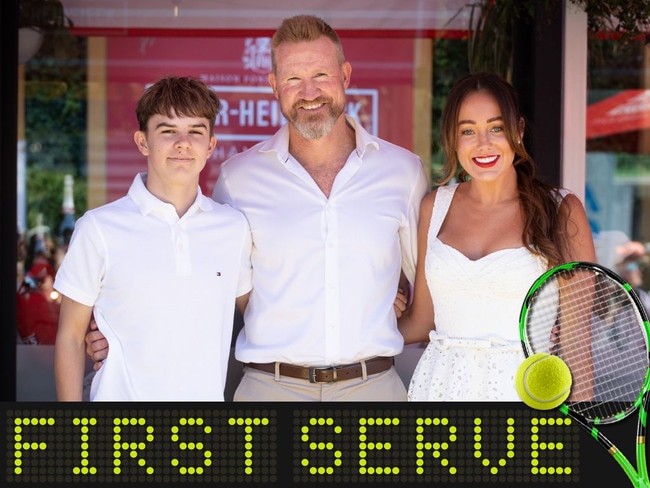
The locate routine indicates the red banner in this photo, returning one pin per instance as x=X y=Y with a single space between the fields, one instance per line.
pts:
x=379 y=97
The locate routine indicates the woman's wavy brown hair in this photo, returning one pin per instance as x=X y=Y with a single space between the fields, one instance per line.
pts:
x=539 y=201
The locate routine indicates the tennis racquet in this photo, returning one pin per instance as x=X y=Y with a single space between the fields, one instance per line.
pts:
x=592 y=319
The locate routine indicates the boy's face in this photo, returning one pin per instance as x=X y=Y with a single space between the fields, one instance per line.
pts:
x=177 y=149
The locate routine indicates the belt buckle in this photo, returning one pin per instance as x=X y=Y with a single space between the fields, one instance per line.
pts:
x=312 y=373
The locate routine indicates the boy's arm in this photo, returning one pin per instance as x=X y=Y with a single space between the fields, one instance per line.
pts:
x=69 y=350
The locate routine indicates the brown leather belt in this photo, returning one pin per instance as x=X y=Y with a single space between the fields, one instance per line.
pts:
x=327 y=374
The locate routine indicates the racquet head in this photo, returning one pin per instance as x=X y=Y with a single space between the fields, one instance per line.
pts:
x=592 y=319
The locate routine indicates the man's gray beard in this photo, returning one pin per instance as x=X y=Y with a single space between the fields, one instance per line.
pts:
x=314 y=129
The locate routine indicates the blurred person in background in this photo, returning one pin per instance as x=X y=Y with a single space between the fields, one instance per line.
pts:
x=38 y=305
x=626 y=257
x=631 y=270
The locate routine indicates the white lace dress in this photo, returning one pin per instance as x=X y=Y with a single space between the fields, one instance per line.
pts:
x=475 y=349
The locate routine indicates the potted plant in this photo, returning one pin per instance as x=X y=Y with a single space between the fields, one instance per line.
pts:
x=491 y=23
x=37 y=18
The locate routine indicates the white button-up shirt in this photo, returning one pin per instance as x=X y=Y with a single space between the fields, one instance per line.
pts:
x=325 y=270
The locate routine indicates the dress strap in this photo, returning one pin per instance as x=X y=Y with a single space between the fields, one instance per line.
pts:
x=444 y=196
x=560 y=194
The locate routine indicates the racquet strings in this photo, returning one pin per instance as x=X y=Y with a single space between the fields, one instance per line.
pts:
x=591 y=321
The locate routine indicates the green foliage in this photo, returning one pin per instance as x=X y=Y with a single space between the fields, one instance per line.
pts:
x=45 y=196
x=489 y=43
x=633 y=165
x=612 y=65
x=490 y=31
x=629 y=18
x=448 y=66
x=491 y=25
x=55 y=115
x=55 y=126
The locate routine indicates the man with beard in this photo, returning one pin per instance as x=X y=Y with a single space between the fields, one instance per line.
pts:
x=333 y=213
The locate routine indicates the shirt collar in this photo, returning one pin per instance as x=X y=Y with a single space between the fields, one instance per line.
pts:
x=148 y=203
x=279 y=142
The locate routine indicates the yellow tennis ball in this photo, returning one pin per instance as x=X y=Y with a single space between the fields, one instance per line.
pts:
x=543 y=381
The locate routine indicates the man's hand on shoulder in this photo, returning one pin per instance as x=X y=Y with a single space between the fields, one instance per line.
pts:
x=96 y=345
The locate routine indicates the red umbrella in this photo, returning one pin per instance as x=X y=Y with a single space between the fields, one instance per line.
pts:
x=628 y=110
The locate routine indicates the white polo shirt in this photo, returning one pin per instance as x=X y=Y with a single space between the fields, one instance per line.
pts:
x=163 y=290
x=325 y=271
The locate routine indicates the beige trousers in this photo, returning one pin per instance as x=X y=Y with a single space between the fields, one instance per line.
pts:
x=258 y=386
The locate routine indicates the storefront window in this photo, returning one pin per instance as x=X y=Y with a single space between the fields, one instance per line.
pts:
x=618 y=147
x=78 y=92
x=79 y=87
